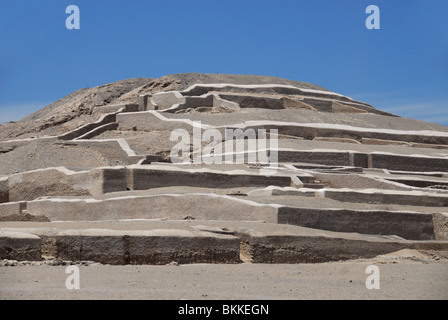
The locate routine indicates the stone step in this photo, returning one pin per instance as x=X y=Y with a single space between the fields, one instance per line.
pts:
x=409 y=163
x=376 y=196
x=292 y=247
x=116 y=108
x=19 y=246
x=313 y=185
x=12 y=209
x=415 y=173
x=419 y=182
x=311 y=131
x=155 y=176
x=152 y=120
x=405 y=224
x=417 y=197
x=163 y=242
x=30 y=185
x=107 y=118
x=119 y=247
x=155 y=206
x=99 y=130
x=211 y=207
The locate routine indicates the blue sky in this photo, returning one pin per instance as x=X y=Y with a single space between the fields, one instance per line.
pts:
x=401 y=68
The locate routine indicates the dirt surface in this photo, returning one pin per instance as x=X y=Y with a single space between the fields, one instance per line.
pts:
x=76 y=109
x=410 y=277
x=41 y=155
x=69 y=112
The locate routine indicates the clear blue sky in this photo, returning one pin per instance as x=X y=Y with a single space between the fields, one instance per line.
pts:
x=401 y=68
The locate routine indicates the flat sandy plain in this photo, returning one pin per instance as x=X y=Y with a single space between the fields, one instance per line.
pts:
x=403 y=276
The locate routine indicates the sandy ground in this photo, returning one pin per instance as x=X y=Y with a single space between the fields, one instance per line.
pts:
x=399 y=279
x=75 y=109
